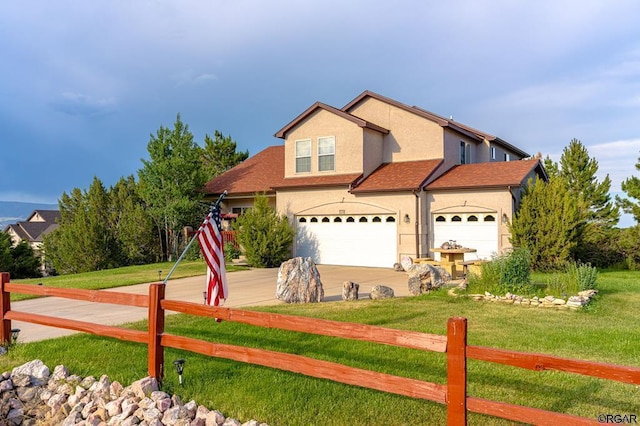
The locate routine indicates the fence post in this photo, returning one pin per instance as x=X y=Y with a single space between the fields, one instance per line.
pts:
x=457 y=371
x=5 y=306
x=156 y=328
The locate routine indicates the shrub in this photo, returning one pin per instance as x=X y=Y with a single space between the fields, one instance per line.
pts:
x=264 y=235
x=574 y=278
x=230 y=251
x=515 y=271
x=505 y=274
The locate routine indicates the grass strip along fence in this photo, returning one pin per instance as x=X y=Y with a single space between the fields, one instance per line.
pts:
x=454 y=345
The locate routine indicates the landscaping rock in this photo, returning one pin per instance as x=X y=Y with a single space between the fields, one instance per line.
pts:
x=299 y=281
x=381 y=292
x=424 y=277
x=350 y=290
x=133 y=405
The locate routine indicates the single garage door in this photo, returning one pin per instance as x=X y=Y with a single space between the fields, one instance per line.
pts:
x=472 y=230
x=355 y=240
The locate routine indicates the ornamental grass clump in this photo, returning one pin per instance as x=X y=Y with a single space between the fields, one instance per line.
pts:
x=510 y=273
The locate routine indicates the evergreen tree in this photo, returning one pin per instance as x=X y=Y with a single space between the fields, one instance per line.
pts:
x=547 y=223
x=6 y=260
x=170 y=182
x=25 y=263
x=133 y=226
x=596 y=243
x=83 y=240
x=631 y=204
x=219 y=154
x=265 y=235
x=579 y=171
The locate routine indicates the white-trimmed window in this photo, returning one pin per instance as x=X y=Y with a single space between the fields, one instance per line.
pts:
x=507 y=157
x=303 y=156
x=465 y=153
x=326 y=154
x=493 y=152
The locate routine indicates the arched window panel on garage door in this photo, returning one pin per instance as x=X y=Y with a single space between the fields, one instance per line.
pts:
x=469 y=229
x=354 y=240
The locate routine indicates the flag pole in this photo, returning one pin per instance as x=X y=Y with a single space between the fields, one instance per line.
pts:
x=195 y=235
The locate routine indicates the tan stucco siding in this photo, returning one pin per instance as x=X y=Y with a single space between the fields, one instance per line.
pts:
x=410 y=137
x=452 y=148
x=324 y=201
x=500 y=152
x=373 y=151
x=499 y=201
x=348 y=148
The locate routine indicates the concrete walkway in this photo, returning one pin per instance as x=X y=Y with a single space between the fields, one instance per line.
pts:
x=253 y=287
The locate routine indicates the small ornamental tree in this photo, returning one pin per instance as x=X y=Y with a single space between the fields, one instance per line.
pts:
x=265 y=236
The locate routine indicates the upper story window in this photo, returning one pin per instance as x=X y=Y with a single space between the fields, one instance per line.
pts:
x=507 y=157
x=493 y=152
x=303 y=156
x=326 y=153
x=465 y=153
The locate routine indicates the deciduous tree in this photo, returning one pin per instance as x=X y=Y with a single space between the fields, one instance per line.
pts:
x=171 y=180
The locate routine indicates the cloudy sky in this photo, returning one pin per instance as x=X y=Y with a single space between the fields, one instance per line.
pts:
x=84 y=84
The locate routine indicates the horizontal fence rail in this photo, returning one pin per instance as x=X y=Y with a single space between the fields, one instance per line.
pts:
x=454 y=345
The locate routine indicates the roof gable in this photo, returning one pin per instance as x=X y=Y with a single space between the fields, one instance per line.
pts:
x=44 y=216
x=401 y=176
x=442 y=121
x=494 y=174
x=319 y=105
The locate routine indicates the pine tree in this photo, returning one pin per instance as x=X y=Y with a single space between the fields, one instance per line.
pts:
x=132 y=225
x=219 y=154
x=579 y=171
x=265 y=235
x=547 y=223
x=631 y=204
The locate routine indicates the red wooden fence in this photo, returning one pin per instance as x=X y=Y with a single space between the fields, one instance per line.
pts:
x=454 y=344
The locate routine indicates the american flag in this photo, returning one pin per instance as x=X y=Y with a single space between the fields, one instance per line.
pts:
x=210 y=240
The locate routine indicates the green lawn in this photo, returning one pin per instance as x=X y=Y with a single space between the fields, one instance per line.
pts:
x=608 y=331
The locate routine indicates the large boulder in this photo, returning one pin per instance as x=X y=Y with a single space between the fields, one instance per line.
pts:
x=299 y=281
x=424 y=278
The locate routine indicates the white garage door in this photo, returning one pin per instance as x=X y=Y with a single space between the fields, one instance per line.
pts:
x=367 y=240
x=473 y=230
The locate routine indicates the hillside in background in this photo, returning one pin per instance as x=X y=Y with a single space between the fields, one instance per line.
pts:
x=15 y=211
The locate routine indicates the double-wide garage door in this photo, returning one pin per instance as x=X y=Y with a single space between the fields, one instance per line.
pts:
x=356 y=240
x=472 y=230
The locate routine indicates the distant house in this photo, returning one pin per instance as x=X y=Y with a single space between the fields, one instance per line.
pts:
x=38 y=224
x=377 y=179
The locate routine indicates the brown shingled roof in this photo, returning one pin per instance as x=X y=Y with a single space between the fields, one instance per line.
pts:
x=258 y=173
x=401 y=176
x=495 y=174
x=329 y=180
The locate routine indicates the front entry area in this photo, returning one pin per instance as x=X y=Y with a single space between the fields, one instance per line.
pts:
x=350 y=240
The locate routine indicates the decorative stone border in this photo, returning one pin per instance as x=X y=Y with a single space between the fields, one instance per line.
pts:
x=573 y=302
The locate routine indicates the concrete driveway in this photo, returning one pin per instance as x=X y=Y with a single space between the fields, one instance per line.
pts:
x=252 y=287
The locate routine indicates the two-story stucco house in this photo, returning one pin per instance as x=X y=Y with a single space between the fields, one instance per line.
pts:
x=377 y=179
